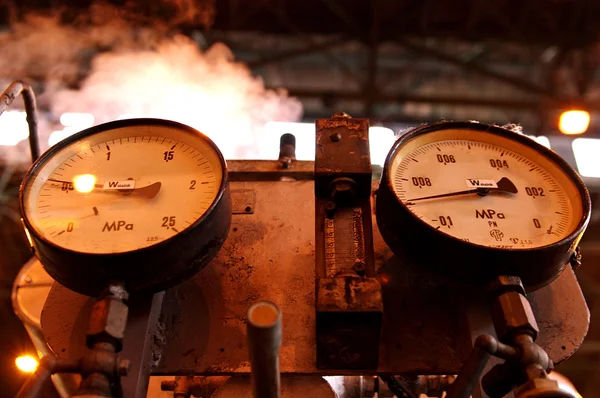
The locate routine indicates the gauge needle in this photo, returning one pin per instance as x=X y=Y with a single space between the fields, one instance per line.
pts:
x=96 y=213
x=149 y=191
x=504 y=185
x=71 y=182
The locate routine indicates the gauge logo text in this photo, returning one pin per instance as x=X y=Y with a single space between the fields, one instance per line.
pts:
x=127 y=184
x=117 y=226
x=489 y=214
x=476 y=183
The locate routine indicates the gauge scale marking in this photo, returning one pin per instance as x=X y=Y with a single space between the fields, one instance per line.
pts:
x=469 y=202
x=145 y=201
x=539 y=213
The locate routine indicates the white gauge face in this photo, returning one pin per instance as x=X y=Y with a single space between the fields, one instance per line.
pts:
x=123 y=189
x=485 y=189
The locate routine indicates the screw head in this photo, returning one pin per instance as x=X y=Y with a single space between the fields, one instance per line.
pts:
x=335 y=137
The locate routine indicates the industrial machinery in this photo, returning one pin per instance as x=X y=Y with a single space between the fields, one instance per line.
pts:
x=176 y=270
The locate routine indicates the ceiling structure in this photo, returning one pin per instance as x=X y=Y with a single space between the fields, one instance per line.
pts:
x=412 y=62
x=399 y=61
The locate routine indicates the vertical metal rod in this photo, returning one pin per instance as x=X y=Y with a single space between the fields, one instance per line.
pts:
x=144 y=313
x=264 y=341
x=469 y=374
x=8 y=96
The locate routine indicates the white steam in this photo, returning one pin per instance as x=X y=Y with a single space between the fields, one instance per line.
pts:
x=122 y=70
x=208 y=91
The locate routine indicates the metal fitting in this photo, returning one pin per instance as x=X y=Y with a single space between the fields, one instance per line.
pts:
x=541 y=387
x=504 y=284
x=512 y=314
x=342 y=190
x=107 y=321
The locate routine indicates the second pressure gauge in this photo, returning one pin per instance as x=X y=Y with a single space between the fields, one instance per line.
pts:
x=145 y=201
x=469 y=202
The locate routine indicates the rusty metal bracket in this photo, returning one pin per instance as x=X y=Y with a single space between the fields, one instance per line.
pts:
x=348 y=297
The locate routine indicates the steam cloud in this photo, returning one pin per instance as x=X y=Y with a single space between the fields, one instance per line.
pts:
x=130 y=70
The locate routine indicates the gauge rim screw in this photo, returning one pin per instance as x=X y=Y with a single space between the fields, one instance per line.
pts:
x=576 y=258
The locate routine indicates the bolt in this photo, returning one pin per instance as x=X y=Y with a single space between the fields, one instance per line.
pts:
x=28 y=279
x=342 y=190
x=248 y=209
x=360 y=266
x=335 y=137
x=124 y=367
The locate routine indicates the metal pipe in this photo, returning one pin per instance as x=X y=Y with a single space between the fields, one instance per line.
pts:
x=485 y=347
x=264 y=341
x=287 y=149
x=49 y=365
x=8 y=96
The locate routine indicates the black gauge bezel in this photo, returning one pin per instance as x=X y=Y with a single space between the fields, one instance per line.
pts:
x=152 y=268
x=421 y=246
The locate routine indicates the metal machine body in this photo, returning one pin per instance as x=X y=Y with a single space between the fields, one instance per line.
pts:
x=270 y=254
x=303 y=239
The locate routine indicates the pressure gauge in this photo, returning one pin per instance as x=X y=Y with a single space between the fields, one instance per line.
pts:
x=469 y=202
x=144 y=201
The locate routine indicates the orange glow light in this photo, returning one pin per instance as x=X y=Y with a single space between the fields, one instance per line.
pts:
x=574 y=122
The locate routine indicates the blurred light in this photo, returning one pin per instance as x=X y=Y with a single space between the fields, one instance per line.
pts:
x=564 y=384
x=78 y=120
x=60 y=135
x=381 y=140
x=26 y=363
x=586 y=152
x=541 y=139
x=13 y=128
x=73 y=122
x=574 y=122
x=84 y=183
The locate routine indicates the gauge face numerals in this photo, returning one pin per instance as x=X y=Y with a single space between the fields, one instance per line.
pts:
x=124 y=191
x=498 y=192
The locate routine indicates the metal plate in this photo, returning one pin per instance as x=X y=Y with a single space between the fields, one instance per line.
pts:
x=243 y=201
x=270 y=255
x=31 y=285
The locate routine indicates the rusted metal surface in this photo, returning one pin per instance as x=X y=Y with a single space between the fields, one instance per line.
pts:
x=243 y=201
x=349 y=314
x=349 y=302
x=269 y=170
x=349 y=293
x=270 y=255
x=342 y=150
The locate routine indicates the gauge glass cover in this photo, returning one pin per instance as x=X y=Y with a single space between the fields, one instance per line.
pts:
x=546 y=207
x=123 y=189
